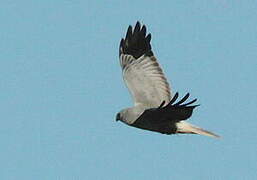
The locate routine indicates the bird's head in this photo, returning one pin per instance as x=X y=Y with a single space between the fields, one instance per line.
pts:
x=120 y=116
x=127 y=116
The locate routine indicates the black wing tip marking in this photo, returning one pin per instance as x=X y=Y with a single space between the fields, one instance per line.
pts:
x=136 y=43
x=179 y=111
x=161 y=105
x=180 y=102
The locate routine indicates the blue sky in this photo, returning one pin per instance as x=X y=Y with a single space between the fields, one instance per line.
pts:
x=61 y=86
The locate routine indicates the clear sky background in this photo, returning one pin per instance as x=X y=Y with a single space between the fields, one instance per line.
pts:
x=61 y=87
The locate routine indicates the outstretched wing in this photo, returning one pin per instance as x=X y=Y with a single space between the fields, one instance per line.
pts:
x=141 y=71
x=164 y=118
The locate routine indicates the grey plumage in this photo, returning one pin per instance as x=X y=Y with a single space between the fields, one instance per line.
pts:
x=153 y=108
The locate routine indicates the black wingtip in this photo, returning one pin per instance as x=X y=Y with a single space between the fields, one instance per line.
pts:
x=194 y=106
x=179 y=111
x=136 y=43
x=148 y=38
x=179 y=103
x=129 y=33
x=182 y=100
x=143 y=31
x=137 y=27
x=121 y=44
x=175 y=97
x=161 y=105
x=191 y=102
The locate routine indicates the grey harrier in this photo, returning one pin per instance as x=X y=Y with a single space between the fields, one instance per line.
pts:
x=153 y=109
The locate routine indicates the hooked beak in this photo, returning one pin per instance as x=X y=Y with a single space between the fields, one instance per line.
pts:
x=118 y=117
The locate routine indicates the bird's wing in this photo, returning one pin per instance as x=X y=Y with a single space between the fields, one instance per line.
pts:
x=141 y=71
x=163 y=119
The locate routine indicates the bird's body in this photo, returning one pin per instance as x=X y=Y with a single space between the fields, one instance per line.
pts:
x=153 y=109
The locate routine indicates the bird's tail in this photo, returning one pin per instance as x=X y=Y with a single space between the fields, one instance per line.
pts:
x=184 y=127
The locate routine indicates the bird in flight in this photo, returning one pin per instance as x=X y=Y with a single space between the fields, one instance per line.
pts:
x=155 y=109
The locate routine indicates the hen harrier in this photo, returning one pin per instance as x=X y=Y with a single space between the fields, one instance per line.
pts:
x=153 y=109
